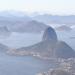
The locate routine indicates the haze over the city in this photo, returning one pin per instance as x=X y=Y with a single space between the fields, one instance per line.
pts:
x=61 y=7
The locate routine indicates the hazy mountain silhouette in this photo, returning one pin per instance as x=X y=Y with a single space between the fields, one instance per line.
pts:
x=51 y=19
x=50 y=34
x=45 y=18
x=11 y=18
x=30 y=26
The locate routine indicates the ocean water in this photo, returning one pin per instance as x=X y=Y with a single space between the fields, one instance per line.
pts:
x=13 y=65
x=17 y=40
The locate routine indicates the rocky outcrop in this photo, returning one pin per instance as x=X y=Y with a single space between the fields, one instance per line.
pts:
x=50 y=34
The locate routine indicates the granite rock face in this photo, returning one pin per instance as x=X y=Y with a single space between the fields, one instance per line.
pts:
x=49 y=34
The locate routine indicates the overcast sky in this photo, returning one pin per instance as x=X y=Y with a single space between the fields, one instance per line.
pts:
x=51 y=6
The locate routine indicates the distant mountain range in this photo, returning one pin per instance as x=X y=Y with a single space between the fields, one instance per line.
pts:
x=8 y=18
x=12 y=13
x=55 y=19
x=30 y=27
x=45 y=18
x=22 y=22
